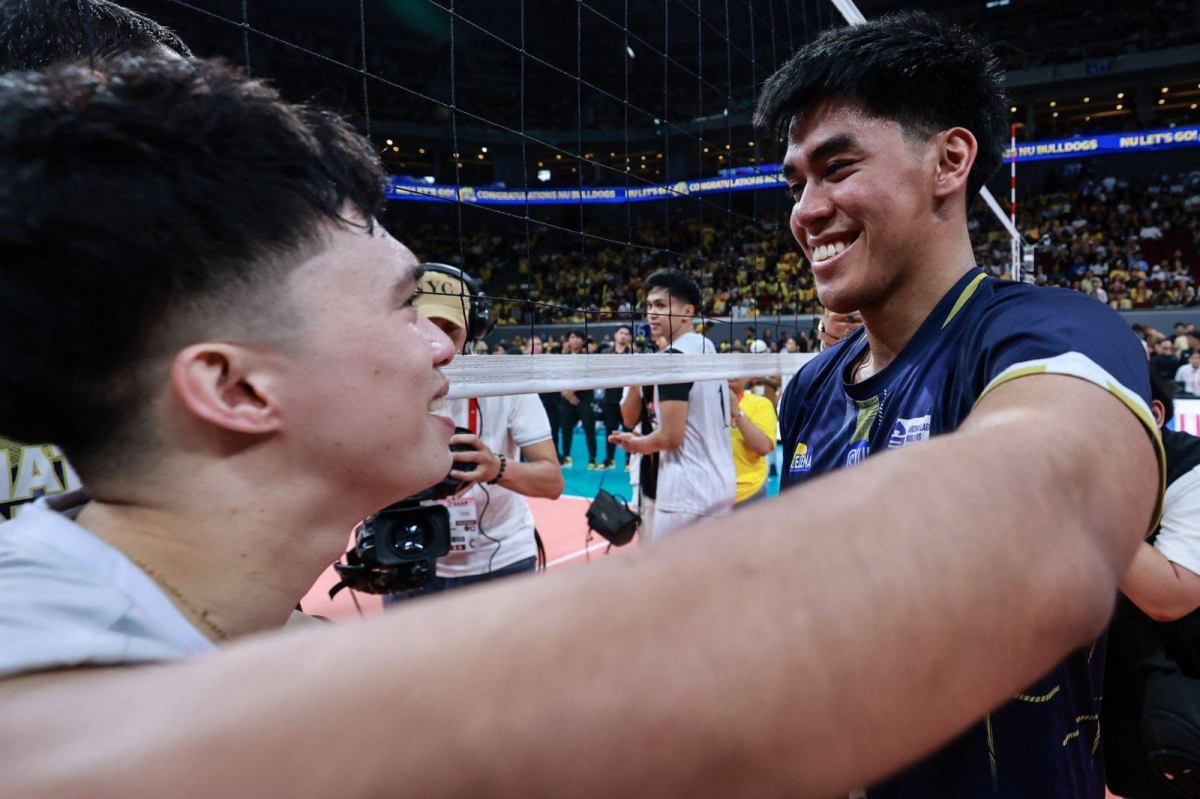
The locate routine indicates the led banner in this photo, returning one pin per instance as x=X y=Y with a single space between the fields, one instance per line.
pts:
x=407 y=189
x=1108 y=144
x=764 y=176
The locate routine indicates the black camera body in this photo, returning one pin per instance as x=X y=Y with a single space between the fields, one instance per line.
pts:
x=396 y=549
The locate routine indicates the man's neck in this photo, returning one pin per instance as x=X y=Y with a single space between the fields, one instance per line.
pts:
x=892 y=323
x=226 y=551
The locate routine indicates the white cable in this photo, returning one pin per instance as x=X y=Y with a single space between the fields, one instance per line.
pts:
x=498 y=375
x=853 y=16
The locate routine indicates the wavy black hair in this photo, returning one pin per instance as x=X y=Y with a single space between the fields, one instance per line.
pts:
x=907 y=67
x=160 y=201
x=36 y=34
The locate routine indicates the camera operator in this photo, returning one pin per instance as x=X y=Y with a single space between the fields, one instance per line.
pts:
x=493 y=531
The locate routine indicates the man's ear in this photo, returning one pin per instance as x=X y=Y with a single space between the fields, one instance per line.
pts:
x=1159 y=411
x=956 y=153
x=229 y=386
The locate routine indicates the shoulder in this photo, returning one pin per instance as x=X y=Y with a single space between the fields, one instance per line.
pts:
x=1020 y=307
x=1018 y=327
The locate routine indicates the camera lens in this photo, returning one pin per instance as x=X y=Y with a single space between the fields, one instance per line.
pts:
x=412 y=539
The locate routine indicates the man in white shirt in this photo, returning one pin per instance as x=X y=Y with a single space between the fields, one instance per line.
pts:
x=1189 y=374
x=696 y=477
x=492 y=533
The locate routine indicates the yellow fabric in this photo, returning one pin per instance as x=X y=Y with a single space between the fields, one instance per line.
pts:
x=752 y=467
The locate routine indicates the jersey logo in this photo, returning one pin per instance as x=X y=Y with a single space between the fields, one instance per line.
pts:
x=858 y=452
x=909 y=431
x=801 y=459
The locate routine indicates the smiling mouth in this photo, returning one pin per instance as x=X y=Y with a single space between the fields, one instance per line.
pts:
x=829 y=251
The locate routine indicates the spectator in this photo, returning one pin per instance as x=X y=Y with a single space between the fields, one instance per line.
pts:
x=1188 y=375
x=753 y=426
x=576 y=408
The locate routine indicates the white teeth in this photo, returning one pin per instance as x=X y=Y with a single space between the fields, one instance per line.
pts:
x=438 y=404
x=827 y=251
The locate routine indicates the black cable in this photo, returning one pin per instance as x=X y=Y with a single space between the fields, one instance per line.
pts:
x=246 y=34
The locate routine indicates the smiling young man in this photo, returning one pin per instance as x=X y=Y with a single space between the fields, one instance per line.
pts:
x=893 y=126
x=214 y=371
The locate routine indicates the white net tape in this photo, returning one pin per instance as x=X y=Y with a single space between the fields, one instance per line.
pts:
x=497 y=375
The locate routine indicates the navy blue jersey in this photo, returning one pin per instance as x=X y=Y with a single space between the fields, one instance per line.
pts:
x=1045 y=742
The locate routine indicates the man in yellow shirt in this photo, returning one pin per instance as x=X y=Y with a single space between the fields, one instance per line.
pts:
x=753 y=424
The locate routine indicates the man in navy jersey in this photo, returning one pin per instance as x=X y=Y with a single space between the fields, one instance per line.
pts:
x=893 y=127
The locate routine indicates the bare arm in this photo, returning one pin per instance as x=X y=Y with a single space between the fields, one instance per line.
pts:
x=631 y=407
x=539 y=476
x=672 y=424
x=757 y=440
x=977 y=561
x=1164 y=591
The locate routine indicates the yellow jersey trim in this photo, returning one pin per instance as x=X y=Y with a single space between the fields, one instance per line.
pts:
x=967 y=293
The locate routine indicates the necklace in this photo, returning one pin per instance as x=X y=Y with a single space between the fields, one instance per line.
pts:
x=860 y=366
x=202 y=615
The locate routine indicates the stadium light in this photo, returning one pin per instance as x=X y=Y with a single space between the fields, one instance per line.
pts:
x=390 y=142
x=1053 y=104
x=629 y=50
x=1087 y=99
x=1013 y=109
x=1161 y=101
x=558 y=157
x=543 y=175
x=1120 y=95
x=1119 y=106
x=1164 y=89
x=483 y=149
x=1055 y=115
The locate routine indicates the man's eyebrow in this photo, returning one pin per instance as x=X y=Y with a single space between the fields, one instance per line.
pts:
x=834 y=145
x=406 y=281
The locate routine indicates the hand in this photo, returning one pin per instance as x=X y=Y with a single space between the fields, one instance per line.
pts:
x=487 y=462
x=570 y=397
x=630 y=442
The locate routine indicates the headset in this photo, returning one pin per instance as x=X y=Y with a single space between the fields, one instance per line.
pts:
x=480 y=320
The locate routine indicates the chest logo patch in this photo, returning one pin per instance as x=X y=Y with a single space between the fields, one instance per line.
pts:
x=801 y=458
x=909 y=431
x=858 y=452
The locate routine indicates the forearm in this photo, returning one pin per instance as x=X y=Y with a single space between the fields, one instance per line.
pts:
x=900 y=604
x=756 y=440
x=631 y=407
x=533 y=479
x=1155 y=585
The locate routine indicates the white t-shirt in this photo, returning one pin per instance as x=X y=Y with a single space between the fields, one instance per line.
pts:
x=504 y=521
x=1179 y=534
x=698 y=477
x=68 y=598
x=1189 y=377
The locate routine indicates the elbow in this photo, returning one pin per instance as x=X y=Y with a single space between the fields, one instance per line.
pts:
x=555 y=485
x=765 y=450
x=672 y=441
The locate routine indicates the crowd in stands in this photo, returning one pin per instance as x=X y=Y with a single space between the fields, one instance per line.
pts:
x=1129 y=244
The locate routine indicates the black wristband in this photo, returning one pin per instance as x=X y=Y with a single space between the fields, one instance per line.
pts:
x=500 y=474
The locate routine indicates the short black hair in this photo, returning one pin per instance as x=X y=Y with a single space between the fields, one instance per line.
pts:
x=575 y=333
x=36 y=34
x=907 y=67
x=1164 y=392
x=679 y=285
x=203 y=191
